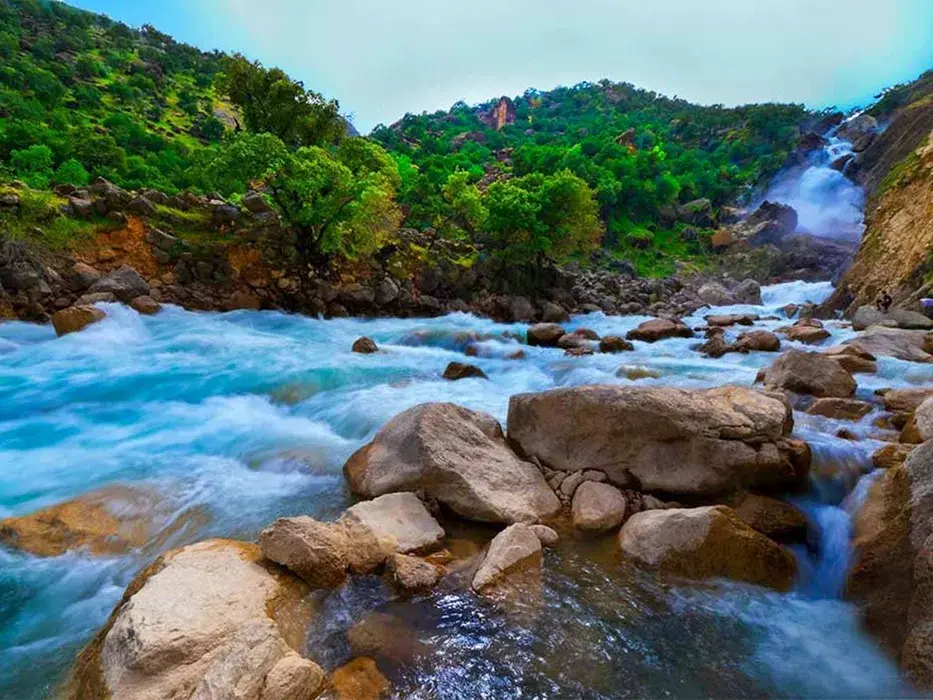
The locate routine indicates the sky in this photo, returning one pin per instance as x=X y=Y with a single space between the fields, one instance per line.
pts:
x=382 y=58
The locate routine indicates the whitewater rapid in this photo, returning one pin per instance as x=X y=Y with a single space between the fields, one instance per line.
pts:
x=239 y=418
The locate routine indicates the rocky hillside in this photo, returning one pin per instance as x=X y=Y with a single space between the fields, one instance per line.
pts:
x=897 y=172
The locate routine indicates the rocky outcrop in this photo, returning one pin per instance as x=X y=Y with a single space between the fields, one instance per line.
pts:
x=702 y=543
x=457 y=457
x=867 y=316
x=663 y=439
x=76 y=318
x=201 y=622
x=810 y=373
x=910 y=346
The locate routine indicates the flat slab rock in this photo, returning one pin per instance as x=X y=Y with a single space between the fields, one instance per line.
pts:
x=676 y=441
x=457 y=457
x=400 y=522
x=199 y=623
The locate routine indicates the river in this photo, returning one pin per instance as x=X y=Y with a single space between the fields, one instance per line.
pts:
x=237 y=418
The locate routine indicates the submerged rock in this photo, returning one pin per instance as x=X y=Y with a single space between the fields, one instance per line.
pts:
x=412 y=575
x=75 y=318
x=702 y=543
x=545 y=335
x=459 y=458
x=613 y=344
x=201 y=622
x=364 y=346
x=677 y=441
x=359 y=679
x=810 y=373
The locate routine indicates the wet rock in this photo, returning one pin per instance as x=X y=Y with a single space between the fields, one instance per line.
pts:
x=545 y=335
x=315 y=551
x=758 y=341
x=109 y=521
x=923 y=419
x=146 y=305
x=293 y=678
x=678 y=441
x=727 y=320
x=769 y=516
x=716 y=347
x=891 y=456
x=597 y=507
x=905 y=400
x=460 y=370
x=809 y=373
x=614 y=344
x=805 y=332
x=359 y=680
x=553 y=313
x=840 y=409
x=460 y=458
x=384 y=636
x=910 y=346
x=364 y=346
x=636 y=372
x=512 y=552
x=411 y=575
x=97 y=298
x=400 y=523
x=660 y=329
x=75 y=318
x=853 y=359
x=579 y=352
x=710 y=542
x=124 y=283
x=198 y=623
x=715 y=294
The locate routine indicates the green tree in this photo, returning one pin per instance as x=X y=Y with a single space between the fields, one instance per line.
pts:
x=71 y=172
x=230 y=167
x=332 y=209
x=34 y=165
x=467 y=212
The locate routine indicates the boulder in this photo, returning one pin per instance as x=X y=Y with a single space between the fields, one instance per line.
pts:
x=386 y=291
x=614 y=344
x=809 y=373
x=255 y=203
x=715 y=294
x=146 y=305
x=769 y=516
x=553 y=313
x=597 y=507
x=660 y=329
x=677 y=441
x=124 y=283
x=853 y=359
x=905 y=400
x=891 y=456
x=716 y=347
x=315 y=551
x=83 y=276
x=460 y=370
x=805 y=333
x=141 y=207
x=459 y=458
x=702 y=543
x=201 y=622
x=364 y=346
x=748 y=292
x=359 y=679
x=545 y=335
x=411 y=575
x=547 y=535
x=75 y=318
x=109 y=521
x=758 y=341
x=910 y=346
x=840 y=409
x=923 y=417
x=399 y=521
x=727 y=320
x=514 y=551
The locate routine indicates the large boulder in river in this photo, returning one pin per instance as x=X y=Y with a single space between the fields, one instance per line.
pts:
x=810 y=373
x=202 y=622
x=660 y=329
x=124 y=283
x=75 y=318
x=545 y=335
x=457 y=457
x=702 y=543
x=676 y=441
x=910 y=346
x=867 y=316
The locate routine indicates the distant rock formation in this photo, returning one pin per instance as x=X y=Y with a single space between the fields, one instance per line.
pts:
x=501 y=115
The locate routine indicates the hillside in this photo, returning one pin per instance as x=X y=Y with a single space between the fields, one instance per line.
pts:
x=644 y=155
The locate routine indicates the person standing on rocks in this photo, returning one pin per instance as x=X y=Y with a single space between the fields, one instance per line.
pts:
x=884 y=302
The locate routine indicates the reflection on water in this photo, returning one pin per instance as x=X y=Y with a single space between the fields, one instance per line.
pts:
x=246 y=416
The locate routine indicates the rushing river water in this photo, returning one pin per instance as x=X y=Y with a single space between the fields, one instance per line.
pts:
x=238 y=418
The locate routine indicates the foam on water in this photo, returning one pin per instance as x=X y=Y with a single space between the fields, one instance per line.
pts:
x=242 y=417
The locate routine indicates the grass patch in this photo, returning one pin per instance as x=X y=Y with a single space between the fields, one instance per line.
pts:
x=38 y=219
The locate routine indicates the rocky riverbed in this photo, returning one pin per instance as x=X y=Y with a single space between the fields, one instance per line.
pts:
x=614 y=506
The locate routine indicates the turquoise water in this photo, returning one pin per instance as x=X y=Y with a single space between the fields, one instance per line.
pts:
x=235 y=419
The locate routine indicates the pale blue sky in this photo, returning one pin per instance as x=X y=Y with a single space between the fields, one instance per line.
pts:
x=383 y=58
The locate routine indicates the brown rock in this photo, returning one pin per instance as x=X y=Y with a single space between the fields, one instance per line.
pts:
x=75 y=318
x=383 y=636
x=399 y=521
x=146 y=305
x=660 y=329
x=547 y=535
x=513 y=551
x=891 y=456
x=727 y=320
x=853 y=359
x=364 y=346
x=636 y=372
x=545 y=335
x=840 y=409
x=760 y=341
x=597 y=507
x=459 y=458
x=769 y=516
x=710 y=542
x=460 y=370
x=809 y=373
x=359 y=680
x=315 y=551
x=613 y=344
x=716 y=347
x=411 y=575
x=293 y=678
x=691 y=442
x=805 y=333
x=905 y=400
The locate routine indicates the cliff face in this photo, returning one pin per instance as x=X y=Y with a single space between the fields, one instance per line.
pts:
x=896 y=253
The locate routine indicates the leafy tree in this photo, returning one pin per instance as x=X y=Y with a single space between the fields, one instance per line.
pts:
x=332 y=209
x=239 y=160
x=273 y=102
x=467 y=212
x=71 y=172
x=33 y=164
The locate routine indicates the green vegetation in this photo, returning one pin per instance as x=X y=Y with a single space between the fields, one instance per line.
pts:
x=550 y=176
x=38 y=219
